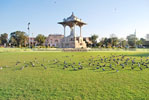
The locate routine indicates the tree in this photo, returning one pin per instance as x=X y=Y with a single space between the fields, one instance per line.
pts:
x=131 y=40
x=101 y=43
x=40 y=39
x=106 y=42
x=4 y=38
x=18 y=38
x=142 y=40
x=114 y=40
x=0 y=41
x=123 y=43
x=94 y=40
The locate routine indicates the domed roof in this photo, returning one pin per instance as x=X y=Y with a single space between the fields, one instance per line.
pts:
x=72 y=19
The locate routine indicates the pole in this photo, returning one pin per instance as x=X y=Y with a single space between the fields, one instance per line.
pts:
x=32 y=41
x=135 y=38
x=29 y=33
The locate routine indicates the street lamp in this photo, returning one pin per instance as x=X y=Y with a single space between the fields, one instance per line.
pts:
x=32 y=41
x=29 y=33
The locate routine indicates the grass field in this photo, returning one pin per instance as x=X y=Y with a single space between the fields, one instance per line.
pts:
x=49 y=76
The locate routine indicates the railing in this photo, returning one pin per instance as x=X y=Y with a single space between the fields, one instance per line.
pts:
x=69 y=49
x=119 y=49
x=74 y=50
x=47 y=49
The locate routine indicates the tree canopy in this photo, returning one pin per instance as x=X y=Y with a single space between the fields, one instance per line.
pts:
x=40 y=39
x=18 y=38
x=94 y=40
x=131 y=40
x=3 y=38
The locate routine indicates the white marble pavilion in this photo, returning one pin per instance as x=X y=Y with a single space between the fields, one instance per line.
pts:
x=71 y=41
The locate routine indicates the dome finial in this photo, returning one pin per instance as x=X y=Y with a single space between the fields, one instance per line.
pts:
x=72 y=14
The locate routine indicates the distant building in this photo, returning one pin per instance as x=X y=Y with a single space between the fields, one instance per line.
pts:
x=147 y=37
x=54 y=40
x=32 y=41
x=146 y=44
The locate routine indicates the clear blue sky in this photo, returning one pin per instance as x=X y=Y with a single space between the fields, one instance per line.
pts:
x=103 y=17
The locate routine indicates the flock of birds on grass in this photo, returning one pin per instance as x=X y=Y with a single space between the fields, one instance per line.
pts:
x=109 y=63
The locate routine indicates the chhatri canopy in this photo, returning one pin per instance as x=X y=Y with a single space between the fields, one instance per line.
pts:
x=70 y=21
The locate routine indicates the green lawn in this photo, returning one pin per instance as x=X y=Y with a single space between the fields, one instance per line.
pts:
x=48 y=80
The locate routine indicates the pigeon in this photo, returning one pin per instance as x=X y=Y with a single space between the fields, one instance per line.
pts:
x=1 y=68
x=113 y=68
x=74 y=69
x=18 y=62
x=72 y=66
x=141 y=68
x=79 y=63
x=64 y=62
x=117 y=70
x=138 y=64
x=103 y=69
x=63 y=68
x=80 y=68
x=132 y=67
x=33 y=65
x=26 y=65
x=45 y=67
x=22 y=67
x=42 y=65
x=110 y=66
